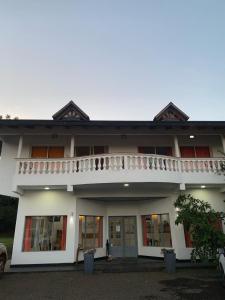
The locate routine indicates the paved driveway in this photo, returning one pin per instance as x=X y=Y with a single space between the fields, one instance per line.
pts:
x=185 y=284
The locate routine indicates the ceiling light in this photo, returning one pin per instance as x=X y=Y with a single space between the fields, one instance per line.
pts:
x=192 y=136
x=126 y=184
x=203 y=186
x=47 y=188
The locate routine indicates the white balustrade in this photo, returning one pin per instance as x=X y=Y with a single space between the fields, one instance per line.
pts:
x=117 y=163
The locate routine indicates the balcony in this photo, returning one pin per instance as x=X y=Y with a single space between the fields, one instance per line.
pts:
x=117 y=168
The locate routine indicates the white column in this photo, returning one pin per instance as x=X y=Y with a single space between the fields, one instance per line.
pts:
x=20 y=146
x=176 y=146
x=223 y=142
x=72 y=144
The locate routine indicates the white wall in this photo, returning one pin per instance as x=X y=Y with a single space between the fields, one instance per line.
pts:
x=63 y=203
x=8 y=165
x=45 y=203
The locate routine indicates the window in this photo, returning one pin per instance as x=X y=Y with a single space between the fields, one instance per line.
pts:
x=0 y=148
x=82 y=151
x=156 y=230
x=164 y=151
x=45 y=233
x=156 y=150
x=90 y=232
x=90 y=150
x=47 y=152
x=189 y=151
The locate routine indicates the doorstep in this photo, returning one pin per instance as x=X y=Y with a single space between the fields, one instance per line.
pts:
x=117 y=265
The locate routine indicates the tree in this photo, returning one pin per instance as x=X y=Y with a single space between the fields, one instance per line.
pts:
x=8 y=212
x=200 y=219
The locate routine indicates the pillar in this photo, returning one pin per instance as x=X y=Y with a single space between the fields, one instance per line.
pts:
x=20 y=146
x=176 y=146
x=72 y=144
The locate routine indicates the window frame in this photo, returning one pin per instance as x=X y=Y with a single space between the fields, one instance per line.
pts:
x=91 y=150
x=28 y=230
x=155 y=150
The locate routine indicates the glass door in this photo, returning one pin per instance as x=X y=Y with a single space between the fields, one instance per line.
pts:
x=116 y=236
x=123 y=236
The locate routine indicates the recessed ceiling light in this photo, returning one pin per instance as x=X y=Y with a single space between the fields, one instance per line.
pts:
x=126 y=184
x=47 y=188
x=203 y=186
x=192 y=136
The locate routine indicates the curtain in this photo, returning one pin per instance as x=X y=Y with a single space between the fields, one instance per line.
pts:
x=144 y=226
x=27 y=234
x=63 y=240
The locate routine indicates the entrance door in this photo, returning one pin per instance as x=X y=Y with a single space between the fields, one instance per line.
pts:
x=123 y=236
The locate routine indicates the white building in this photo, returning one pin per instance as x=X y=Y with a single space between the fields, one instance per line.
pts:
x=82 y=182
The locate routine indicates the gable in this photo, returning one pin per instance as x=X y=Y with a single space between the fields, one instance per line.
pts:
x=171 y=113
x=70 y=112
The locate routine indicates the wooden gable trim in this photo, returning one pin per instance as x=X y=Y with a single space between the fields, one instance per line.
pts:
x=70 y=112
x=171 y=113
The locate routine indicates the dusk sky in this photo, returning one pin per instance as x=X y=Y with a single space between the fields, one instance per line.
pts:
x=117 y=59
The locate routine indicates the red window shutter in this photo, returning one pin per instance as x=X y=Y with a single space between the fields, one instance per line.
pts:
x=187 y=151
x=56 y=152
x=202 y=151
x=39 y=152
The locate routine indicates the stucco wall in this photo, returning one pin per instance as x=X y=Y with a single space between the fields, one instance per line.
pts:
x=8 y=165
x=63 y=203
x=45 y=203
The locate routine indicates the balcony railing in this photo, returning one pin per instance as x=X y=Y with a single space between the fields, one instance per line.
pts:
x=118 y=162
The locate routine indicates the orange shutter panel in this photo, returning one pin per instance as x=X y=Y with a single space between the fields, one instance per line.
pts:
x=187 y=151
x=39 y=152
x=56 y=152
x=202 y=151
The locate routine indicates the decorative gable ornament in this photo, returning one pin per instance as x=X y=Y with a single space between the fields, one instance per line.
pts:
x=71 y=112
x=171 y=113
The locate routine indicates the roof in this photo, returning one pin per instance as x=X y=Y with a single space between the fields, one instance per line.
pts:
x=171 y=118
x=104 y=123
x=171 y=113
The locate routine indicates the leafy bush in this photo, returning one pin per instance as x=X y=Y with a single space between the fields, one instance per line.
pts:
x=200 y=219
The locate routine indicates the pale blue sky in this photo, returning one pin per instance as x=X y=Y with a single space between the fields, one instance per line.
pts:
x=117 y=59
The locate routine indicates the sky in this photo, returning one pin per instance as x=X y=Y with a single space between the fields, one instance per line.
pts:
x=116 y=59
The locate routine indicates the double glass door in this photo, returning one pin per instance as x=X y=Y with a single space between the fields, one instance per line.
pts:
x=123 y=236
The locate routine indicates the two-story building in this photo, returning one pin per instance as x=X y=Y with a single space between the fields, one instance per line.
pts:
x=81 y=182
